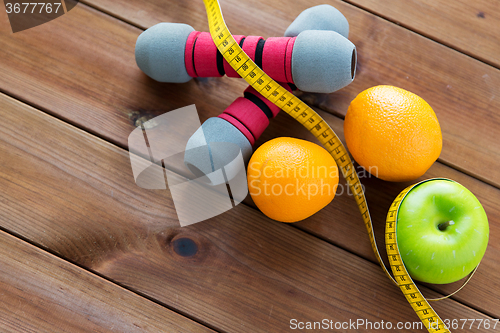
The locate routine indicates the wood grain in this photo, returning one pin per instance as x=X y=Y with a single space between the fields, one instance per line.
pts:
x=43 y=293
x=468 y=26
x=91 y=79
x=74 y=194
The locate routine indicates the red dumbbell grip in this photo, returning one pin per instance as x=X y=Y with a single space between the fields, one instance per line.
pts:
x=251 y=113
x=274 y=56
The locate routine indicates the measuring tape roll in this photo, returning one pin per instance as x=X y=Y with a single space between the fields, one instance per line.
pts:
x=313 y=122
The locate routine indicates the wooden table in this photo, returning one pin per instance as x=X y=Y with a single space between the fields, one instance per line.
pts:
x=83 y=248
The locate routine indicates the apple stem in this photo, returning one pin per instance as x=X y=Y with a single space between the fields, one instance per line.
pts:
x=443 y=226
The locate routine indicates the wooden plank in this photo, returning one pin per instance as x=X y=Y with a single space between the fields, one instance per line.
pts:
x=468 y=26
x=99 y=87
x=43 y=293
x=112 y=104
x=73 y=193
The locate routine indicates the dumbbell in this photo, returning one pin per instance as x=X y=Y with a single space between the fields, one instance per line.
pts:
x=246 y=118
x=321 y=61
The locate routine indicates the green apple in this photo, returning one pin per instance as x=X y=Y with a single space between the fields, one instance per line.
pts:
x=442 y=231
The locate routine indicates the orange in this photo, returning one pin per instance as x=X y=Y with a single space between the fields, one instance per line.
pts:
x=392 y=133
x=291 y=179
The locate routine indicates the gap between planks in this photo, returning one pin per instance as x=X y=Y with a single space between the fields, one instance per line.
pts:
x=84 y=284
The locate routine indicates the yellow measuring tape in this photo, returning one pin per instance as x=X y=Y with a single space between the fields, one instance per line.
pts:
x=301 y=112
x=413 y=295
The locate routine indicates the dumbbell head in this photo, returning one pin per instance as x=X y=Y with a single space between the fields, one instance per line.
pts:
x=322 y=17
x=159 y=52
x=323 y=70
x=206 y=153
